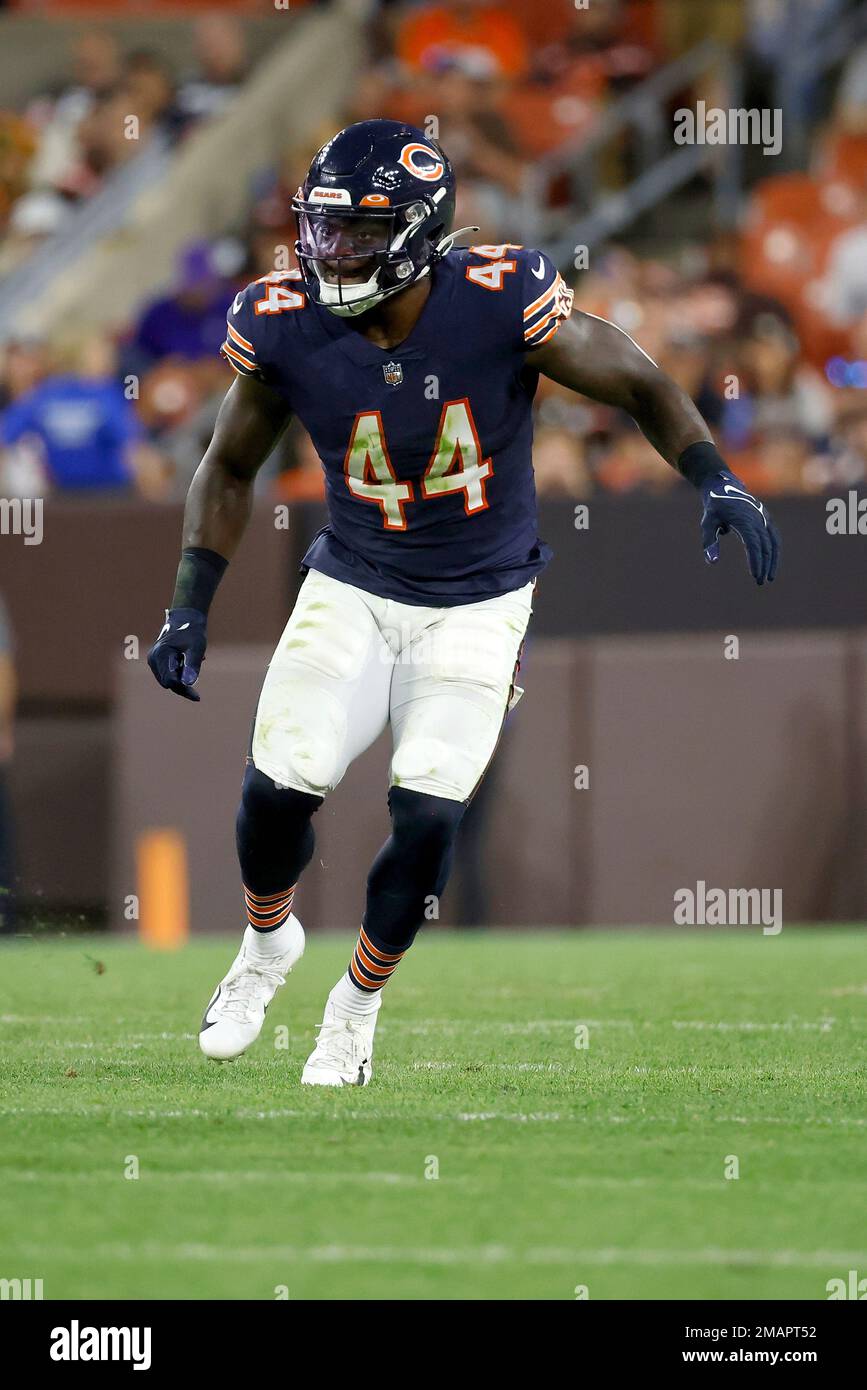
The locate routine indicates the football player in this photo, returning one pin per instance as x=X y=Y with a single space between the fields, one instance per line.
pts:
x=413 y=365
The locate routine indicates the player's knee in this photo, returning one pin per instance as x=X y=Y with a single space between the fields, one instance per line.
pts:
x=300 y=736
x=264 y=803
x=424 y=827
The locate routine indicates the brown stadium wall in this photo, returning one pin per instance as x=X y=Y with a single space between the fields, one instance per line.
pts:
x=736 y=772
x=751 y=772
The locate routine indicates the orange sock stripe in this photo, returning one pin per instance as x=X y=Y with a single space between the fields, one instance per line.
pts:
x=361 y=983
x=374 y=966
x=271 y=918
x=381 y=974
x=270 y=897
x=267 y=926
x=265 y=922
x=380 y=955
x=264 y=911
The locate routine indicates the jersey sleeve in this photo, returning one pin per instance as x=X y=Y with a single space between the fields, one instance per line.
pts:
x=546 y=299
x=240 y=348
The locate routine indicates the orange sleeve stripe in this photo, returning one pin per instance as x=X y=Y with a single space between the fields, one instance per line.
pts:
x=242 y=342
x=555 y=326
x=555 y=313
x=235 y=359
x=239 y=356
x=546 y=294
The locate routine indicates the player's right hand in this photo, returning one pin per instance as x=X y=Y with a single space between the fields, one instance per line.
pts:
x=176 y=656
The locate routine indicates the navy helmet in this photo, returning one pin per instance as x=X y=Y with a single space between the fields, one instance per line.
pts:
x=374 y=213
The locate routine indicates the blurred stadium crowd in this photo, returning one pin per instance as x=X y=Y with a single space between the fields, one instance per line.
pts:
x=765 y=325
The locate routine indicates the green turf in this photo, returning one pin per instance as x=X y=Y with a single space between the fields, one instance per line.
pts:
x=557 y=1167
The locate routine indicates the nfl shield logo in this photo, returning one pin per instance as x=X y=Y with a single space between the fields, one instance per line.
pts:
x=393 y=373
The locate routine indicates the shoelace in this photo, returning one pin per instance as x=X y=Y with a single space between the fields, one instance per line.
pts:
x=240 y=991
x=340 y=1044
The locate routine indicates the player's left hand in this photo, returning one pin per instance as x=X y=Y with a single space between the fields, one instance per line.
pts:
x=729 y=506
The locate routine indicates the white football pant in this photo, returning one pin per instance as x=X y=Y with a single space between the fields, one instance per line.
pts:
x=349 y=663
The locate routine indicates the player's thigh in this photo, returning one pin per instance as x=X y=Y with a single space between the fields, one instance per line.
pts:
x=325 y=696
x=449 y=696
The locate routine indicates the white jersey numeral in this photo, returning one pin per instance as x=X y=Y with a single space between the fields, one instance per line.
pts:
x=368 y=455
x=278 y=297
x=491 y=275
x=457 y=464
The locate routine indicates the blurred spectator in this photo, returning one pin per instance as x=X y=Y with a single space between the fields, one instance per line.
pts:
x=846 y=273
x=847 y=466
x=104 y=143
x=24 y=364
x=75 y=431
x=777 y=393
x=191 y=321
x=851 y=112
x=782 y=464
x=610 y=38
x=8 y=693
x=306 y=481
x=489 y=169
x=57 y=114
x=272 y=226
x=17 y=148
x=632 y=464
x=559 y=465
x=149 y=90
x=481 y=30
x=223 y=67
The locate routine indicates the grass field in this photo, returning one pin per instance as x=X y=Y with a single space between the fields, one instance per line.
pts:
x=557 y=1166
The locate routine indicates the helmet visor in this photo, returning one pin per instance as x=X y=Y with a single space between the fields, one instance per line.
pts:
x=345 y=247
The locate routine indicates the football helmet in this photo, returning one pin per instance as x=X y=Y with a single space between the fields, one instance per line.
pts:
x=374 y=214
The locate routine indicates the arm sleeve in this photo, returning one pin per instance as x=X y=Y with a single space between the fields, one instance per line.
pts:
x=546 y=299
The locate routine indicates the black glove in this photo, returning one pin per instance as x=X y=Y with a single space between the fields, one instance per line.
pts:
x=177 y=655
x=728 y=506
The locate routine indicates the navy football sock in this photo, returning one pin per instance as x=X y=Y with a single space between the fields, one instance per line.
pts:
x=411 y=870
x=274 y=837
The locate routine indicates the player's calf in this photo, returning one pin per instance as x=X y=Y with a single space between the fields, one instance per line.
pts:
x=275 y=842
x=412 y=866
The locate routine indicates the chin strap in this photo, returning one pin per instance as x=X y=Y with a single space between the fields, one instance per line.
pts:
x=443 y=247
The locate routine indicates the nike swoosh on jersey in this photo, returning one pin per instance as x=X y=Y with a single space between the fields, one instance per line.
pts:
x=238 y=300
x=540 y=273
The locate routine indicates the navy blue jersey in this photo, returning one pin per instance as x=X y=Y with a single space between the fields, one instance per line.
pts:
x=426 y=446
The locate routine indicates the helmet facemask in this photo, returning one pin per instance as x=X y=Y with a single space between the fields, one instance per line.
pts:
x=359 y=256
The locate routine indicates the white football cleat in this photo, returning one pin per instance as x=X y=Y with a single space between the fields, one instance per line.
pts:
x=343 y=1055
x=233 y=1019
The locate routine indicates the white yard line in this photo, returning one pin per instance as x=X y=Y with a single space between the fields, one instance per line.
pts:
x=829 y=1261
x=377 y=1113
